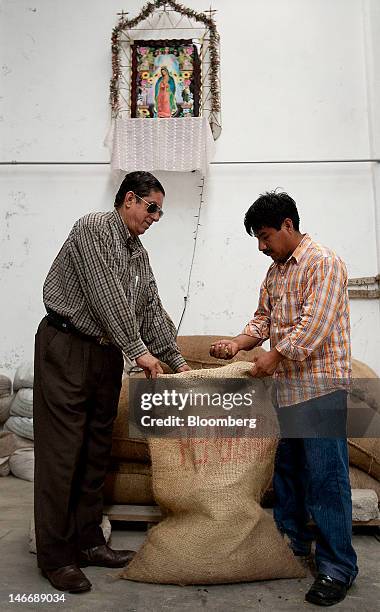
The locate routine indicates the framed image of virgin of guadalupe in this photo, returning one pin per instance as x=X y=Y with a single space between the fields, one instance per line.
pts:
x=165 y=79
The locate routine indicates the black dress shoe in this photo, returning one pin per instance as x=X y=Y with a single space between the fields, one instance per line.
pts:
x=68 y=578
x=104 y=556
x=327 y=591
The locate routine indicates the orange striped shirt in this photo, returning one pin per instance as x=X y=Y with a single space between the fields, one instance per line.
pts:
x=304 y=310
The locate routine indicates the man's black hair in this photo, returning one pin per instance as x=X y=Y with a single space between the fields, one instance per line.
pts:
x=141 y=183
x=270 y=210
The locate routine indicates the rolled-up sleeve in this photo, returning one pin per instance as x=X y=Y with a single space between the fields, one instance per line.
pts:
x=259 y=326
x=323 y=296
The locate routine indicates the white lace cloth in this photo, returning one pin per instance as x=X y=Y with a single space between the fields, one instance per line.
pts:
x=177 y=144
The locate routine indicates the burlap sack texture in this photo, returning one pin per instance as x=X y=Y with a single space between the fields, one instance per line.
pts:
x=361 y=480
x=129 y=483
x=124 y=447
x=365 y=452
x=209 y=490
x=195 y=349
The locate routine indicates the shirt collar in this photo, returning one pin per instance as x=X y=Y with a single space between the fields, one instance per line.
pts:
x=124 y=232
x=301 y=249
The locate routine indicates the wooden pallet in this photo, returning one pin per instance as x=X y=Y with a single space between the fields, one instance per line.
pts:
x=133 y=514
x=152 y=514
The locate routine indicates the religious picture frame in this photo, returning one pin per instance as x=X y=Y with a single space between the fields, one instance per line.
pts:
x=166 y=79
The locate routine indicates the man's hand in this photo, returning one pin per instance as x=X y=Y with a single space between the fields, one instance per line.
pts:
x=183 y=368
x=224 y=349
x=150 y=365
x=266 y=364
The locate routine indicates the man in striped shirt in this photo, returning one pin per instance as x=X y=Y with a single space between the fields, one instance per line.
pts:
x=102 y=301
x=304 y=310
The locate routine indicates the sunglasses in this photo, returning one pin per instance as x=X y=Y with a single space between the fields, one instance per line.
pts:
x=151 y=207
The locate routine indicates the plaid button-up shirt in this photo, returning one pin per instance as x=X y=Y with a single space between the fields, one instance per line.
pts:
x=304 y=310
x=101 y=280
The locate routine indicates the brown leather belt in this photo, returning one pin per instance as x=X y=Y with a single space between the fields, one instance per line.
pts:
x=65 y=325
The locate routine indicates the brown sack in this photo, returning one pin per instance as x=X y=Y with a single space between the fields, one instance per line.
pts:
x=10 y=442
x=364 y=452
x=124 y=447
x=209 y=490
x=129 y=483
x=358 y=480
x=361 y=370
x=195 y=349
x=361 y=480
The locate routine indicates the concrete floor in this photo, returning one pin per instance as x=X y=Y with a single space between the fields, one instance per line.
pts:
x=19 y=574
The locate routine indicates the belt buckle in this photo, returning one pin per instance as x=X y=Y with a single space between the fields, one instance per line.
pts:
x=103 y=341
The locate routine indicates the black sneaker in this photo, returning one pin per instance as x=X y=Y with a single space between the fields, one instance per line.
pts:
x=326 y=591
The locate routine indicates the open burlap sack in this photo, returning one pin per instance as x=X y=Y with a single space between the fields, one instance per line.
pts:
x=209 y=490
x=364 y=452
x=129 y=483
x=124 y=447
x=196 y=351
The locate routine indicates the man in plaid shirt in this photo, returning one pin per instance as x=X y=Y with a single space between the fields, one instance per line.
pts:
x=304 y=311
x=102 y=302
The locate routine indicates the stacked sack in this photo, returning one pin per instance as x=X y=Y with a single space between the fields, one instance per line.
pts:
x=6 y=398
x=129 y=480
x=20 y=423
x=364 y=453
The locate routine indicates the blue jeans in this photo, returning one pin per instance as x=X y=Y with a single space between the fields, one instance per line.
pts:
x=311 y=478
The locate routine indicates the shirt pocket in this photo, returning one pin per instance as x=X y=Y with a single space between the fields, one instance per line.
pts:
x=291 y=308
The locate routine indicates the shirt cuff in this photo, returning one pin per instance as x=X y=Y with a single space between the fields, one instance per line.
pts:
x=135 y=349
x=286 y=348
x=175 y=362
x=248 y=332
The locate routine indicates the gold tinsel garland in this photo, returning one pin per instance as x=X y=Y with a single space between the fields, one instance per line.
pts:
x=125 y=24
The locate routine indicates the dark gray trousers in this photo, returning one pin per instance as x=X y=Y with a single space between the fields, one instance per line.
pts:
x=76 y=390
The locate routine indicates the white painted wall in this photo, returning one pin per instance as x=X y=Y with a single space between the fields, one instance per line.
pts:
x=299 y=81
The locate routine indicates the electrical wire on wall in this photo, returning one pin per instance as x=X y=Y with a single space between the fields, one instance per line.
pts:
x=187 y=296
